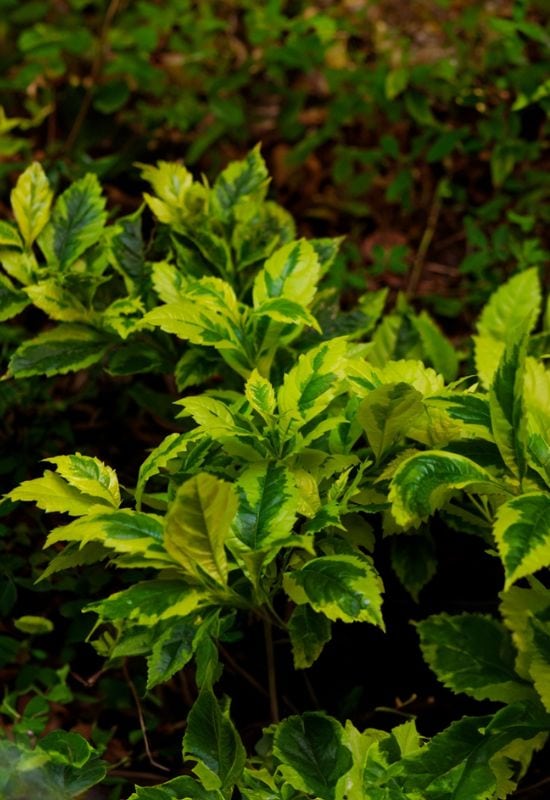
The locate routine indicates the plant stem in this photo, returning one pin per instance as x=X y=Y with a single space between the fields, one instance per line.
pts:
x=427 y=236
x=137 y=701
x=97 y=66
x=271 y=677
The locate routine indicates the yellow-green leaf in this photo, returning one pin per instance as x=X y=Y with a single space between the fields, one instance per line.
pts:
x=197 y=526
x=31 y=200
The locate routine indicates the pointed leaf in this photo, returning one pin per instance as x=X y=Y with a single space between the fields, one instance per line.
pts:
x=172 y=650
x=63 y=349
x=31 y=201
x=522 y=534
x=309 y=632
x=291 y=273
x=506 y=406
x=311 y=753
x=424 y=482
x=148 y=601
x=260 y=394
x=52 y=493
x=90 y=476
x=197 y=526
x=342 y=587
x=76 y=223
x=12 y=300
x=473 y=654
x=171 y=447
x=241 y=180
x=267 y=506
x=212 y=740
x=386 y=413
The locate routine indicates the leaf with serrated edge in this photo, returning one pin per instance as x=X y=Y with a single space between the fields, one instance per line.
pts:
x=522 y=534
x=31 y=200
x=89 y=475
x=309 y=631
x=292 y=273
x=213 y=742
x=424 y=482
x=77 y=222
x=197 y=526
x=386 y=413
x=343 y=587
x=64 y=349
x=472 y=653
x=52 y=493
x=311 y=752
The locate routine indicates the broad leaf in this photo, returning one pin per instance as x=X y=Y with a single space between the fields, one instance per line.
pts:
x=291 y=273
x=170 y=448
x=241 y=180
x=342 y=587
x=506 y=406
x=260 y=394
x=311 y=753
x=172 y=650
x=522 y=534
x=309 y=632
x=58 y=303
x=90 y=476
x=424 y=482
x=473 y=654
x=76 y=223
x=439 y=351
x=267 y=507
x=9 y=236
x=52 y=493
x=12 y=300
x=213 y=742
x=386 y=413
x=414 y=561
x=198 y=524
x=63 y=349
x=31 y=200
x=313 y=383
x=148 y=602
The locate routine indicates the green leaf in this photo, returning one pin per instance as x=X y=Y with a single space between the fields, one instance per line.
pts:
x=386 y=413
x=522 y=535
x=12 y=300
x=31 y=200
x=267 y=506
x=313 y=383
x=506 y=406
x=424 y=482
x=439 y=351
x=170 y=448
x=183 y=786
x=291 y=273
x=66 y=747
x=241 y=180
x=76 y=223
x=414 y=561
x=462 y=762
x=52 y=493
x=280 y=309
x=208 y=314
x=474 y=654
x=172 y=650
x=9 y=236
x=58 y=303
x=148 y=602
x=514 y=306
x=171 y=182
x=33 y=625
x=536 y=403
x=123 y=531
x=90 y=476
x=197 y=526
x=309 y=632
x=342 y=587
x=63 y=349
x=260 y=394
x=311 y=753
x=212 y=740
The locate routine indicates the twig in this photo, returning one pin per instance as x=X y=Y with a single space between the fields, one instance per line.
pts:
x=97 y=66
x=133 y=775
x=242 y=671
x=141 y=720
x=271 y=677
x=427 y=236
x=533 y=786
